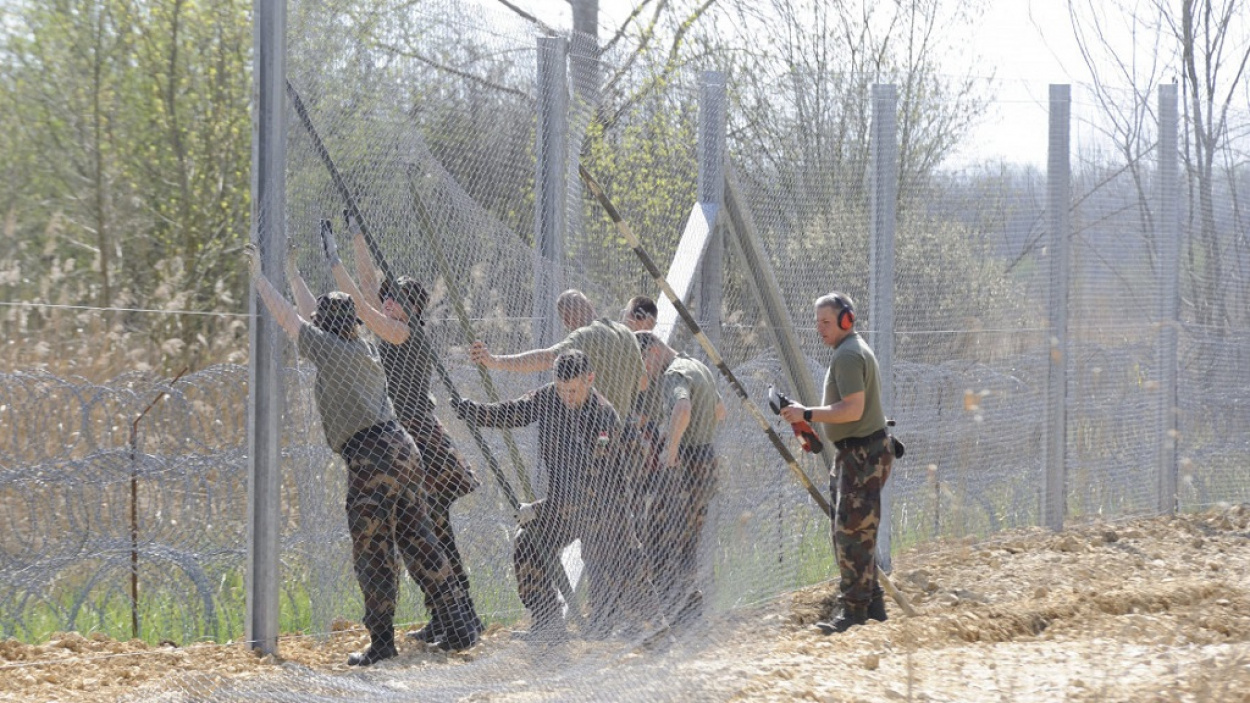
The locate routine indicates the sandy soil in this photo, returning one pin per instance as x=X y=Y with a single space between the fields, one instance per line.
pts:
x=1142 y=610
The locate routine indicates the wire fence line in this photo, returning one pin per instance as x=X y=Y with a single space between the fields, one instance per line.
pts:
x=444 y=171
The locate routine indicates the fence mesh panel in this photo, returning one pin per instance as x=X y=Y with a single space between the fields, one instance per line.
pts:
x=439 y=408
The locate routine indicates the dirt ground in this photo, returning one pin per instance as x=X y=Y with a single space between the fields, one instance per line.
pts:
x=1142 y=610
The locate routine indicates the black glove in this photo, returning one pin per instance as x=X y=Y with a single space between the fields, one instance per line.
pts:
x=459 y=406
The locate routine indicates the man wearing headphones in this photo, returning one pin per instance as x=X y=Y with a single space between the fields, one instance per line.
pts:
x=855 y=423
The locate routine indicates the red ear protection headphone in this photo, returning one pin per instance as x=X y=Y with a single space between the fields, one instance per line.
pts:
x=846 y=313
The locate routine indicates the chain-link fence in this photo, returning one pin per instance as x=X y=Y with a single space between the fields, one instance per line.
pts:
x=124 y=501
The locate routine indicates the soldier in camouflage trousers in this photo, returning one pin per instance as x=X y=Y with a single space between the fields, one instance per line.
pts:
x=386 y=501
x=680 y=410
x=395 y=313
x=579 y=435
x=386 y=511
x=860 y=474
x=854 y=421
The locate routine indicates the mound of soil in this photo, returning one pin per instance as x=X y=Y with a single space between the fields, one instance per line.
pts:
x=1139 y=610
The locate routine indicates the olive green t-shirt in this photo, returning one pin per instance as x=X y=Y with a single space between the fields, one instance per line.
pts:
x=690 y=378
x=614 y=357
x=854 y=369
x=350 y=389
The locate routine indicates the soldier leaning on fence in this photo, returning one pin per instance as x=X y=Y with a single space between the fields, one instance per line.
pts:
x=611 y=346
x=385 y=499
x=854 y=421
x=579 y=439
x=393 y=315
x=619 y=374
x=640 y=314
x=684 y=407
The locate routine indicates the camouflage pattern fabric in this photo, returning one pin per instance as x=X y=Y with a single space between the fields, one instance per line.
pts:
x=446 y=477
x=860 y=474
x=615 y=572
x=586 y=499
x=447 y=474
x=387 y=510
x=675 y=510
x=618 y=590
x=535 y=557
x=439 y=509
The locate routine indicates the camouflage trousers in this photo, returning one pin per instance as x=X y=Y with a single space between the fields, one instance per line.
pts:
x=446 y=471
x=675 y=511
x=446 y=477
x=614 y=571
x=387 y=512
x=859 y=475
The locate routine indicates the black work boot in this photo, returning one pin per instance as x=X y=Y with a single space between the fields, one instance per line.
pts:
x=876 y=607
x=460 y=625
x=850 y=617
x=381 y=647
x=435 y=630
x=431 y=633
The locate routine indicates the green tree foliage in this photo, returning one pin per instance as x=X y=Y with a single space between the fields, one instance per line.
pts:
x=646 y=161
x=127 y=155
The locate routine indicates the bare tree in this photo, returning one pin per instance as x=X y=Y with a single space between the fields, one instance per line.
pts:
x=803 y=77
x=1206 y=45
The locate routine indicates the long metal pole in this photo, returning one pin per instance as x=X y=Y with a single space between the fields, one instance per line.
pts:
x=1058 y=177
x=713 y=106
x=1169 y=238
x=265 y=369
x=884 y=215
x=550 y=213
x=719 y=362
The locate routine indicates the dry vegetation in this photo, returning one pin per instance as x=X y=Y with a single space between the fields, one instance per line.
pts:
x=1142 y=610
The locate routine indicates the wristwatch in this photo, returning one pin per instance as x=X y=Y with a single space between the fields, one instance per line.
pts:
x=807 y=414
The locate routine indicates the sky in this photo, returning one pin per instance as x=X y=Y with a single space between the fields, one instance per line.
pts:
x=1029 y=45
x=1025 y=44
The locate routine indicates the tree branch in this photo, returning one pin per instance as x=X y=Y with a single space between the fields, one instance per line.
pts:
x=530 y=18
x=454 y=71
x=620 y=32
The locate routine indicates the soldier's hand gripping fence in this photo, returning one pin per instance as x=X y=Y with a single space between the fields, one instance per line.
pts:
x=354 y=211
x=715 y=357
x=807 y=436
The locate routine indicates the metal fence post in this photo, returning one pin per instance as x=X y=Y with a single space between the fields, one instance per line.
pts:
x=883 y=219
x=550 y=181
x=265 y=368
x=711 y=148
x=1058 y=179
x=1169 y=254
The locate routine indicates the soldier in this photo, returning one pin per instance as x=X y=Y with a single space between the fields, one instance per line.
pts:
x=619 y=375
x=640 y=314
x=685 y=406
x=385 y=499
x=855 y=423
x=395 y=314
x=611 y=346
x=579 y=436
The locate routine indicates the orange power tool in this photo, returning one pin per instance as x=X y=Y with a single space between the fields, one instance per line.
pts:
x=804 y=431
